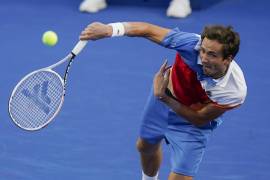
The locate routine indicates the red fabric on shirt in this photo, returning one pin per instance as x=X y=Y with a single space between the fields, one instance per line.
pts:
x=187 y=88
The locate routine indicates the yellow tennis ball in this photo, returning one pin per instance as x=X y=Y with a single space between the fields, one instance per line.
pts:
x=49 y=38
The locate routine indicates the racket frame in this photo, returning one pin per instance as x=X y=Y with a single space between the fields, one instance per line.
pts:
x=18 y=85
x=70 y=57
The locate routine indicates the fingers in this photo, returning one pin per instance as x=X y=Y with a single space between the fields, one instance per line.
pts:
x=86 y=34
x=163 y=66
x=161 y=80
x=95 y=31
x=167 y=74
x=164 y=69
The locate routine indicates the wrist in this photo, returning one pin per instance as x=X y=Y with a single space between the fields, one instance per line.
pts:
x=109 y=31
x=117 y=29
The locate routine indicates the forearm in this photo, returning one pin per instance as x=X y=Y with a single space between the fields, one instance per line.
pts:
x=137 y=29
x=97 y=30
x=146 y=30
x=193 y=116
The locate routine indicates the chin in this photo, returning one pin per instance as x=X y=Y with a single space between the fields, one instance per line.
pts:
x=206 y=72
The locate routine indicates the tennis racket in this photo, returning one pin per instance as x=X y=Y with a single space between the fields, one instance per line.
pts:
x=39 y=96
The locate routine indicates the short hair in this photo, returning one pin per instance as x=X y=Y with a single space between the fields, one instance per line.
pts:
x=224 y=35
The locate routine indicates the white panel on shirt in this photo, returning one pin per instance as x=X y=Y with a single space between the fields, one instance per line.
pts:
x=230 y=90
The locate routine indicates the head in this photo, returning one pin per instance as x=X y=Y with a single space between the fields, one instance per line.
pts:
x=219 y=46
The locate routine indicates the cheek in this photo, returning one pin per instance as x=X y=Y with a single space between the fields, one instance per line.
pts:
x=218 y=67
x=217 y=64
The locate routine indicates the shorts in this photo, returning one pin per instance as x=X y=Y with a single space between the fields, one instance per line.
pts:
x=186 y=142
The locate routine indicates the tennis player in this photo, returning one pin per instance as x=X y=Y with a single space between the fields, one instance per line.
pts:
x=189 y=98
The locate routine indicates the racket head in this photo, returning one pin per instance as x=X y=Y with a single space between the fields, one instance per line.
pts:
x=37 y=99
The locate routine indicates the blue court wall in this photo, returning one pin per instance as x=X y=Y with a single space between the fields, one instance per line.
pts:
x=196 y=4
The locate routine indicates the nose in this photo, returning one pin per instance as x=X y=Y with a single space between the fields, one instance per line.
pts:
x=203 y=58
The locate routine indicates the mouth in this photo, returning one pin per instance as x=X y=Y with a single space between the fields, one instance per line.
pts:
x=206 y=69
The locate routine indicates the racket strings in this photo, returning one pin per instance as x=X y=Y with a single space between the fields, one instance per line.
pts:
x=37 y=99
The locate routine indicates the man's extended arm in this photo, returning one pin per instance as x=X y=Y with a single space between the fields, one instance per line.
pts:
x=96 y=30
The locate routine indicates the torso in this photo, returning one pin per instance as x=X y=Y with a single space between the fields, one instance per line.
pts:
x=190 y=89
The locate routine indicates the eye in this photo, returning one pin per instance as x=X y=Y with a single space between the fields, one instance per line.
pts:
x=212 y=55
x=201 y=50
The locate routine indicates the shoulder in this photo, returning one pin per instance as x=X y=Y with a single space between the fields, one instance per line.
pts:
x=237 y=81
x=177 y=37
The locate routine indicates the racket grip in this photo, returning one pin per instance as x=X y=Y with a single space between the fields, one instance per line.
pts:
x=79 y=47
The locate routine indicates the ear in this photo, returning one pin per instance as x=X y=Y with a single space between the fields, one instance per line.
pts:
x=228 y=60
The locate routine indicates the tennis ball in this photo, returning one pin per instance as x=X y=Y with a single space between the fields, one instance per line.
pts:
x=49 y=38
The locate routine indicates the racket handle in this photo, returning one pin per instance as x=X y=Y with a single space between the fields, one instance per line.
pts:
x=79 y=47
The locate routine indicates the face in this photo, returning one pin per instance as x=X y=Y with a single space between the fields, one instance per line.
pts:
x=214 y=64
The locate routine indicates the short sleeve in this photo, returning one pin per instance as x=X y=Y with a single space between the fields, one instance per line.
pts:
x=180 y=40
x=183 y=42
